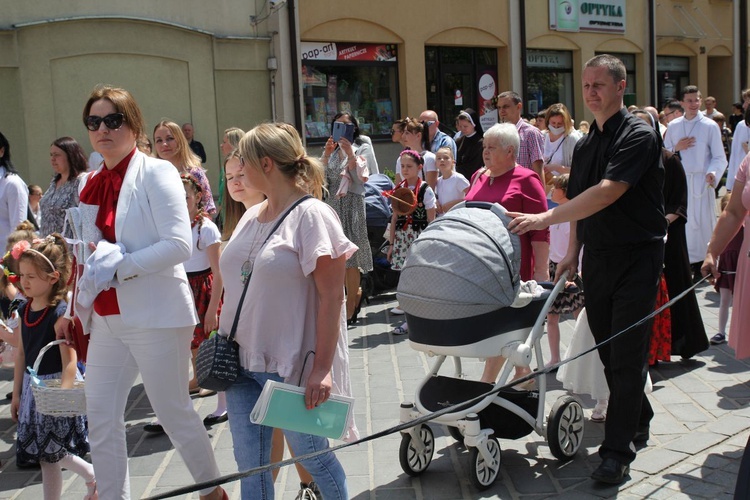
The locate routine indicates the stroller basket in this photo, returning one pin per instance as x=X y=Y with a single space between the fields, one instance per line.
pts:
x=440 y=392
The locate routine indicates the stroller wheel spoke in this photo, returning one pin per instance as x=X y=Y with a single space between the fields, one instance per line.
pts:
x=565 y=428
x=416 y=457
x=485 y=473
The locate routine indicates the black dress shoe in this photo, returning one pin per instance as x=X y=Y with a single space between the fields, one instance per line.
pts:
x=641 y=436
x=154 y=428
x=215 y=419
x=610 y=471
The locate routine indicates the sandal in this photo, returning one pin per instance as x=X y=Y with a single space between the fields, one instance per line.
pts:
x=600 y=413
x=402 y=329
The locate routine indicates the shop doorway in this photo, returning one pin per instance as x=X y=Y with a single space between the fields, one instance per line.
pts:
x=453 y=76
x=672 y=73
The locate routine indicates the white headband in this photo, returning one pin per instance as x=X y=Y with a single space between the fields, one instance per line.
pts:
x=464 y=114
x=43 y=256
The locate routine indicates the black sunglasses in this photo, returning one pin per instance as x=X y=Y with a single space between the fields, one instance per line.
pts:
x=112 y=121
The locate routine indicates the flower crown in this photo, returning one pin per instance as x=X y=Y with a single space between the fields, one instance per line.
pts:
x=12 y=277
x=22 y=247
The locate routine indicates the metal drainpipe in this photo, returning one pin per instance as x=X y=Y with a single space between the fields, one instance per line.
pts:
x=652 y=54
x=296 y=89
x=743 y=44
x=524 y=70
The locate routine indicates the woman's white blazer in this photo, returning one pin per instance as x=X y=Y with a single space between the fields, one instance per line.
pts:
x=152 y=223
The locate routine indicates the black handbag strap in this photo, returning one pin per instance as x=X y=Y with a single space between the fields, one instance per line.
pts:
x=247 y=282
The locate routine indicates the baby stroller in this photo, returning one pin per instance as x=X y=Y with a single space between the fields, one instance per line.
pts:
x=459 y=289
x=378 y=211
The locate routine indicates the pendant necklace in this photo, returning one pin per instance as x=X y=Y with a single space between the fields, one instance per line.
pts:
x=260 y=237
x=247 y=267
x=684 y=127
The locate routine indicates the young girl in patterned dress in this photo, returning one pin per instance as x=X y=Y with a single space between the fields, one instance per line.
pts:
x=56 y=442
x=405 y=228
x=566 y=302
x=202 y=268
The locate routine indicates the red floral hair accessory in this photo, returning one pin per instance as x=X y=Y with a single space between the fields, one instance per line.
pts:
x=19 y=248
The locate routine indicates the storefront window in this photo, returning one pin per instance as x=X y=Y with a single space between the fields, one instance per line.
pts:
x=459 y=78
x=672 y=73
x=361 y=79
x=629 y=61
x=550 y=75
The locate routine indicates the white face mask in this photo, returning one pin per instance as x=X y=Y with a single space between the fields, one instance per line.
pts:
x=556 y=130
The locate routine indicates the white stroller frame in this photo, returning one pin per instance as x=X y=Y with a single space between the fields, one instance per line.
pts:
x=563 y=430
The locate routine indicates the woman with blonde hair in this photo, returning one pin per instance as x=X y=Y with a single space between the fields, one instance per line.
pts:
x=171 y=145
x=559 y=143
x=294 y=305
x=228 y=145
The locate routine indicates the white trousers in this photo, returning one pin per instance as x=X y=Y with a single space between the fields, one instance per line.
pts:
x=116 y=354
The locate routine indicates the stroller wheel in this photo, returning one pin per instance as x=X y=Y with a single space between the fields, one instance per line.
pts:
x=565 y=428
x=456 y=434
x=485 y=472
x=415 y=458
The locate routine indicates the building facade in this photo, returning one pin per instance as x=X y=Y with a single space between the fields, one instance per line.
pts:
x=191 y=61
x=239 y=62
x=390 y=61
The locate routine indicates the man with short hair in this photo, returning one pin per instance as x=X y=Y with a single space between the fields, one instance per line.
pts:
x=438 y=139
x=655 y=115
x=710 y=103
x=673 y=110
x=698 y=140
x=197 y=147
x=531 y=152
x=615 y=192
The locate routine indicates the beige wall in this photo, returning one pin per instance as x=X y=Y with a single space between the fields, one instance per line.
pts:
x=48 y=69
x=703 y=31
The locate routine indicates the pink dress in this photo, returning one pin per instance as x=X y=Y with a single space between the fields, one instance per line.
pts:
x=739 y=331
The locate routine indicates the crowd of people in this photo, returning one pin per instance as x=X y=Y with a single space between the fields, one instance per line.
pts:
x=628 y=199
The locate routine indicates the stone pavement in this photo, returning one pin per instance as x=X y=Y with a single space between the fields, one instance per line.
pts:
x=701 y=426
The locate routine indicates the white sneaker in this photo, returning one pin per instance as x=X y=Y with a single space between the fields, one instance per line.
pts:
x=397 y=311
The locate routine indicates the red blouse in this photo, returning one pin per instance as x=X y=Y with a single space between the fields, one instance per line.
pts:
x=518 y=190
x=103 y=189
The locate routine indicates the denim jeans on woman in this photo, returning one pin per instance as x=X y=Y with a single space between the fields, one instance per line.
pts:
x=252 y=444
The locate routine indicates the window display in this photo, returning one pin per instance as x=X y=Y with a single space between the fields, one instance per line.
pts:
x=361 y=79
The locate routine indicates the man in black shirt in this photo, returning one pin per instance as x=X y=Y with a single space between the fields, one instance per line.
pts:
x=197 y=147
x=616 y=197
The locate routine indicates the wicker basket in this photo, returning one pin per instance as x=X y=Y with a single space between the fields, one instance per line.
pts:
x=51 y=399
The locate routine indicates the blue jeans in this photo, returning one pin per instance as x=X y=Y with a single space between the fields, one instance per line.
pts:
x=252 y=444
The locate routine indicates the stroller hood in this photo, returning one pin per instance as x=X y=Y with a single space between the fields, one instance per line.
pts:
x=464 y=264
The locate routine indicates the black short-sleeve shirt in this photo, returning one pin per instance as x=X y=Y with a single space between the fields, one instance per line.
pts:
x=626 y=150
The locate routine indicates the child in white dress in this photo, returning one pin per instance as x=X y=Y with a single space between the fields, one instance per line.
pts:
x=451 y=186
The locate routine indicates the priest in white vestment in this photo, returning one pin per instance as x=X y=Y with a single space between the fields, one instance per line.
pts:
x=698 y=141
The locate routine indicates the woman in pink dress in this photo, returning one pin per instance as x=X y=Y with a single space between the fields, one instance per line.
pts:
x=730 y=222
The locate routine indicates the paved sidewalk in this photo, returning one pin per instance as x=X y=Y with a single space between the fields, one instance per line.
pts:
x=701 y=426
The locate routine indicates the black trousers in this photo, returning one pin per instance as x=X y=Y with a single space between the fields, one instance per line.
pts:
x=621 y=288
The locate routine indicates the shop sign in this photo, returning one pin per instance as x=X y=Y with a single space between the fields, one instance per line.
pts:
x=667 y=63
x=606 y=16
x=549 y=59
x=334 y=51
x=487 y=90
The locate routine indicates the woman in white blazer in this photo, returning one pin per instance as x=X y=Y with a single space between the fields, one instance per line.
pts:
x=143 y=322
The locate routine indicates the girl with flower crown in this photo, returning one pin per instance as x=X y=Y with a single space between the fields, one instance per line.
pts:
x=407 y=224
x=56 y=442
